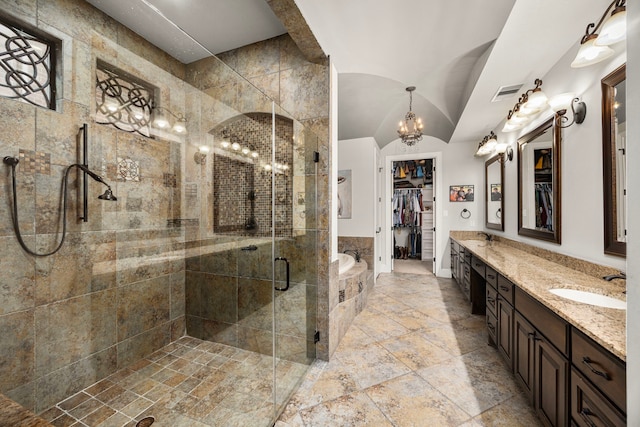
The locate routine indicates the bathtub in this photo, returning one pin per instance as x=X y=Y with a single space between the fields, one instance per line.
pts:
x=345 y=262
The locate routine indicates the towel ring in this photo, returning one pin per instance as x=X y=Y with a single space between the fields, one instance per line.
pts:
x=499 y=213
x=466 y=213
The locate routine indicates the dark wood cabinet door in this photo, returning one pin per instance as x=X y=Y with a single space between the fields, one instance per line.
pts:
x=551 y=384
x=505 y=331
x=524 y=336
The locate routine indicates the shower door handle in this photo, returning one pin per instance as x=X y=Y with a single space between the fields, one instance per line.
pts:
x=287 y=264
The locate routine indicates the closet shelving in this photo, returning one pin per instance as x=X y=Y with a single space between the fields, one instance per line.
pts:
x=412 y=206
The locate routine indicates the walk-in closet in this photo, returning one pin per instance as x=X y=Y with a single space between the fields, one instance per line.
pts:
x=413 y=216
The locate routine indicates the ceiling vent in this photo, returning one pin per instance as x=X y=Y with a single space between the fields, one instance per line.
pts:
x=505 y=92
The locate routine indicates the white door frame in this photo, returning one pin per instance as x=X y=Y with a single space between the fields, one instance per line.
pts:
x=387 y=231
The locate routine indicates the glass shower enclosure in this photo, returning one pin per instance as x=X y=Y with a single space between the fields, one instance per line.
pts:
x=213 y=235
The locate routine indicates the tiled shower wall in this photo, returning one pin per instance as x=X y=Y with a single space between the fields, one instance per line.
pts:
x=115 y=292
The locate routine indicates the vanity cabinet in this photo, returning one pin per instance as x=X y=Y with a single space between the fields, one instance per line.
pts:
x=541 y=363
x=567 y=377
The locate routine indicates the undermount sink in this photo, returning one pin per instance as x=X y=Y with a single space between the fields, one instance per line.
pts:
x=590 y=298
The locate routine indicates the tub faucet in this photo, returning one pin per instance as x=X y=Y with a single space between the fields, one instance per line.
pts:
x=488 y=237
x=621 y=275
x=355 y=252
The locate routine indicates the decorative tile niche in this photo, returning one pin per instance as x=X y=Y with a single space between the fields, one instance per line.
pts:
x=242 y=183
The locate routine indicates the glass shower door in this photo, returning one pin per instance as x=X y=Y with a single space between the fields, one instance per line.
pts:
x=295 y=253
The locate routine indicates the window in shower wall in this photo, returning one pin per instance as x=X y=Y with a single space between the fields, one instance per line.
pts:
x=27 y=65
x=122 y=100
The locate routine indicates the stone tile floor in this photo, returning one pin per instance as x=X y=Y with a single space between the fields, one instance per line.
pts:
x=189 y=383
x=414 y=357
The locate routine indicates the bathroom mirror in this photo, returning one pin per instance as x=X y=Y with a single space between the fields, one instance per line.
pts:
x=539 y=210
x=614 y=138
x=494 y=189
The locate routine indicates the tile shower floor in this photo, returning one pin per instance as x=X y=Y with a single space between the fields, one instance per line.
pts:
x=413 y=357
x=189 y=383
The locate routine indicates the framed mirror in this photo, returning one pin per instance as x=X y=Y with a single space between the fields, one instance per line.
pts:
x=614 y=138
x=494 y=189
x=539 y=210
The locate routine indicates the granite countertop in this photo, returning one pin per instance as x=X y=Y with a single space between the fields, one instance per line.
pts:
x=536 y=276
x=14 y=415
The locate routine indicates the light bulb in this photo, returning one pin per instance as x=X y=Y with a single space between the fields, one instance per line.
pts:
x=225 y=144
x=204 y=149
x=179 y=127
x=267 y=167
x=245 y=151
x=235 y=146
x=254 y=154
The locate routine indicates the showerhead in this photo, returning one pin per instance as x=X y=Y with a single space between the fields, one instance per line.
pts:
x=108 y=195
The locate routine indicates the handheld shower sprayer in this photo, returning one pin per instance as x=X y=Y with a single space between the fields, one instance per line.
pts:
x=12 y=162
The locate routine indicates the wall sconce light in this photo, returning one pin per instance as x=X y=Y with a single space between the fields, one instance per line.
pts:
x=200 y=156
x=504 y=151
x=530 y=103
x=562 y=102
x=161 y=121
x=487 y=145
x=594 y=47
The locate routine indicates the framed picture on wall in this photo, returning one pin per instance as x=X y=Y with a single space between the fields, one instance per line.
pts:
x=344 y=194
x=461 y=193
x=496 y=192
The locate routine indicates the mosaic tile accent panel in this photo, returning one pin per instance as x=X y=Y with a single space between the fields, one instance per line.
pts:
x=235 y=178
x=170 y=180
x=34 y=162
x=128 y=170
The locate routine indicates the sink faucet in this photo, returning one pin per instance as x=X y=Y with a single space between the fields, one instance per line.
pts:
x=621 y=275
x=355 y=252
x=488 y=237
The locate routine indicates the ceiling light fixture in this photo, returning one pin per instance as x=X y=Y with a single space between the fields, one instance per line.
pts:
x=410 y=130
x=594 y=47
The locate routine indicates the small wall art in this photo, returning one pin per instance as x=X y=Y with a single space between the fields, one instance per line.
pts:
x=344 y=194
x=461 y=193
x=496 y=192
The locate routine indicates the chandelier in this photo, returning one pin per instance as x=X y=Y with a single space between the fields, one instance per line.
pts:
x=410 y=130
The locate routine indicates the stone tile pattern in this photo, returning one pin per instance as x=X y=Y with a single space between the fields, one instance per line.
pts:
x=230 y=297
x=536 y=276
x=234 y=178
x=413 y=357
x=280 y=70
x=115 y=291
x=188 y=383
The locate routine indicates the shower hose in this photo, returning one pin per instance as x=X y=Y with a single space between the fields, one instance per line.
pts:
x=13 y=162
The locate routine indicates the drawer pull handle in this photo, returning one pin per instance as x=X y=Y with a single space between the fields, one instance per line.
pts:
x=491 y=300
x=505 y=288
x=588 y=361
x=585 y=414
x=491 y=276
x=493 y=328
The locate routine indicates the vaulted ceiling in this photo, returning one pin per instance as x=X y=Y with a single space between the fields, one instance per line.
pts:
x=456 y=54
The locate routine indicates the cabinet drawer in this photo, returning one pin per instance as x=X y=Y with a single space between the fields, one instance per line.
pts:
x=492 y=299
x=589 y=407
x=543 y=319
x=455 y=246
x=478 y=265
x=492 y=327
x=491 y=276
x=601 y=367
x=467 y=257
x=505 y=288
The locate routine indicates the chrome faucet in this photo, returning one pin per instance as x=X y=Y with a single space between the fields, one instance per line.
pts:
x=356 y=253
x=622 y=275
